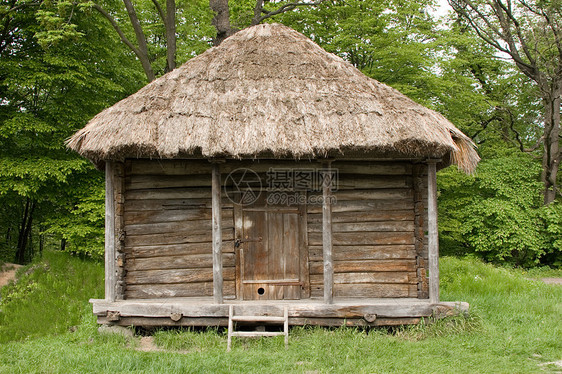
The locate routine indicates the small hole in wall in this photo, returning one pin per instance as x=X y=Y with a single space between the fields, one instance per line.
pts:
x=261 y=291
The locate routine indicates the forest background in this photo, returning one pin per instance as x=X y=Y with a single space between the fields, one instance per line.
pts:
x=494 y=68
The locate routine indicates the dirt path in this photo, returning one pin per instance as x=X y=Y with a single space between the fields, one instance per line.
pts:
x=147 y=345
x=8 y=273
x=552 y=280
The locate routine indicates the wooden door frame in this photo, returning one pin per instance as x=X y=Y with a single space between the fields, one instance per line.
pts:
x=304 y=275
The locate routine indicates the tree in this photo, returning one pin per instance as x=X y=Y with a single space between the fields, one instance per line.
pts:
x=51 y=83
x=174 y=30
x=392 y=41
x=530 y=33
x=167 y=16
x=260 y=13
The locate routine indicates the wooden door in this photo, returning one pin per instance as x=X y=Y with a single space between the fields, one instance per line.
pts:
x=272 y=253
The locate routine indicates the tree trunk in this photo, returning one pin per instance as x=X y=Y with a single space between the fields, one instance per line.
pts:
x=141 y=40
x=171 y=34
x=221 y=21
x=25 y=231
x=257 y=12
x=41 y=244
x=551 y=154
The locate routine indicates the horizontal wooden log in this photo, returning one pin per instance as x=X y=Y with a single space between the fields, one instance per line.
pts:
x=139 y=182
x=190 y=167
x=360 y=181
x=367 y=216
x=165 y=322
x=379 y=226
x=364 y=238
x=175 y=276
x=170 y=167
x=373 y=168
x=175 y=249
x=223 y=322
x=366 y=266
x=150 y=291
x=159 y=239
x=175 y=215
x=376 y=277
x=185 y=261
x=191 y=227
x=204 y=307
x=351 y=322
x=365 y=206
x=168 y=193
x=375 y=290
x=369 y=277
x=375 y=194
x=172 y=204
x=195 y=167
x=382 y=252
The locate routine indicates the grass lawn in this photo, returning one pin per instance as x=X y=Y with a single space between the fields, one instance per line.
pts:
x=515 y=326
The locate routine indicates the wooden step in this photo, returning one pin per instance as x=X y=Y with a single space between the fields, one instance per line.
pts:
x=232 y=318
x=257 y=333
x=257 y=319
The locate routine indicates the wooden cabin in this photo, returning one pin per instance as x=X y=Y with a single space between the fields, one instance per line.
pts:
x=268 y=175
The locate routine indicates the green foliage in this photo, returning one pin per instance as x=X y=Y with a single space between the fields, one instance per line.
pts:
x=498 y=212
x=49 y=297
x=392 y=41
x=62 y=63
x=194 y=30
x=514 y=326
x=82 y=223
x=55 y=76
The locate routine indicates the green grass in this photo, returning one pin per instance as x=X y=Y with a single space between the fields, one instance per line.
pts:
x=50 y=296
x=515 y=326
x=542 y=272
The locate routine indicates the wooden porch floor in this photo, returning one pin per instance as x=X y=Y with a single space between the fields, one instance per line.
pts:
x=202 y=311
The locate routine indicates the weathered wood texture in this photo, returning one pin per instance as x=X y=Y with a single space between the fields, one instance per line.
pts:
x=217 y=234
x=119 y=229
x=327 y=234
x=168 y=221
x=373 y=232
x=379 y=219
x=420 y=224
x=110 y=257
x=203 y=312
x=433 y=239
x=270 y=251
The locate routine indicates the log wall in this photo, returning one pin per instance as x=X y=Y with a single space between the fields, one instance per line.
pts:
x=379 y=224
x=167 y=221
x=378 y=247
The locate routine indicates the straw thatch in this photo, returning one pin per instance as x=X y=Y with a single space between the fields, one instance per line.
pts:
x=270 y=90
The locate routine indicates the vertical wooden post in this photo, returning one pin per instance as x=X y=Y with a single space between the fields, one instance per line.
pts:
x=119 y=201
x=217 y=234
x=327 y=233
x=433 y=235
x=109 y=234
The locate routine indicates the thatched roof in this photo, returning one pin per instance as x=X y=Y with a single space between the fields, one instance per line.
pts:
x=270 y=90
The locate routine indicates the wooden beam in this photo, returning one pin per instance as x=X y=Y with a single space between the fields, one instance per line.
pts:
x=433 y=235
x=119 y=230
x=217 y=234
x=205 y=308
x=327 y=234
x=110 y=276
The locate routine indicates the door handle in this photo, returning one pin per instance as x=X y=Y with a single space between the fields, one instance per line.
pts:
x=239 y=241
